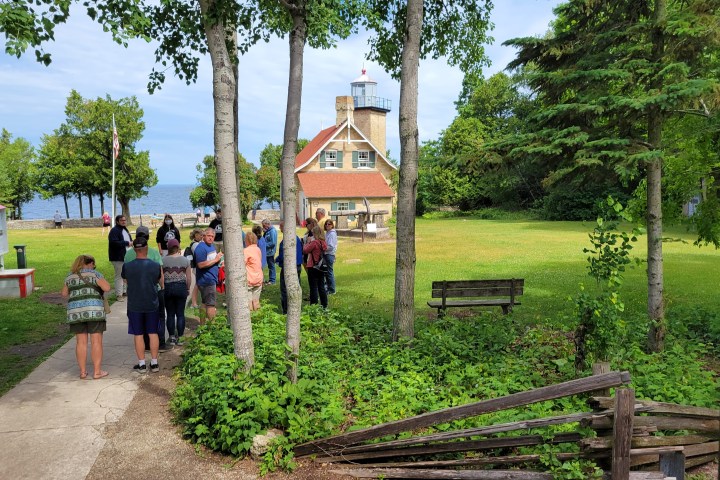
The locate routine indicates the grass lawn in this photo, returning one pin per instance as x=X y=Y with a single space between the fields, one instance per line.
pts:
x=547 y=254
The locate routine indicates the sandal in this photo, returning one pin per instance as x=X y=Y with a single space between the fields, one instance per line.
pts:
x=103 y=374
x=83 y=375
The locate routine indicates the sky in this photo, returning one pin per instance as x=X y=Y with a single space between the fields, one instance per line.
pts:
x=179 y=117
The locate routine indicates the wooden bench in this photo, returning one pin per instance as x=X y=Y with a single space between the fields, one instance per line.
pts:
x=477 y=293
x=188 y=222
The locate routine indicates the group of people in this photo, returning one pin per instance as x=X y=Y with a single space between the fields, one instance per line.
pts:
x=157 y=283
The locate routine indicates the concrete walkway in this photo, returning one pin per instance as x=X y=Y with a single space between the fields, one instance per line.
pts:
x=52 y=423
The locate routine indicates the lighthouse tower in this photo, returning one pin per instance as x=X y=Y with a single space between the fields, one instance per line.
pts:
x=370 y=110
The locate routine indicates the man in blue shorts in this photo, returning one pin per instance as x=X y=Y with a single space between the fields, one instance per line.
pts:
x=206 y=272
x=142 y=276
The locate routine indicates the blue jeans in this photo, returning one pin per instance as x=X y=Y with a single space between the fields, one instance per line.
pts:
x=175 y=298
x=330 y=274
x=271 y=268
x=283 y=289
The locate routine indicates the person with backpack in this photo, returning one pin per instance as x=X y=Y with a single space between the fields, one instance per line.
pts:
x=316 y=266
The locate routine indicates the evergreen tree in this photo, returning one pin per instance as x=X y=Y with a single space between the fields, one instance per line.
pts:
x=609 y=76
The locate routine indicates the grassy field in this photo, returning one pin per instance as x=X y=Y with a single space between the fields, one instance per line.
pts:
x=547 y=254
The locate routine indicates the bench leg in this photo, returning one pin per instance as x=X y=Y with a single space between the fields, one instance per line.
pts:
x=441 y=312
x=506 y=309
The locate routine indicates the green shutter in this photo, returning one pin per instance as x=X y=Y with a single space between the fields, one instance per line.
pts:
x=322 y=159
x=355 y=160
x=338 y=162
x=333 y=206
x=372 y=160
x=351 y=206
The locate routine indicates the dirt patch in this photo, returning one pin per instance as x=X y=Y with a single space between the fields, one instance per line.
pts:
x=146 y=444
x=39 y=349
x=54 y=298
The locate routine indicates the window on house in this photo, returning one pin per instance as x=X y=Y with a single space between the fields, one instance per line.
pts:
x=343 y=205
x=330 y=158
x=363 y=159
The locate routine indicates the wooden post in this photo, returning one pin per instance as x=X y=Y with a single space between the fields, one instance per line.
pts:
x=672 y=464
x=622 y=433
x=599 y=368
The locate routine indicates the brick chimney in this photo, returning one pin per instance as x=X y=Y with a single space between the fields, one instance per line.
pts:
x=344 y=107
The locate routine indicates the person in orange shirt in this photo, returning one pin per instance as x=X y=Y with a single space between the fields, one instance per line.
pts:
x=253 y=266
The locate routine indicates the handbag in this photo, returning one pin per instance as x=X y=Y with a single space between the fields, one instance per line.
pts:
x=106 y=305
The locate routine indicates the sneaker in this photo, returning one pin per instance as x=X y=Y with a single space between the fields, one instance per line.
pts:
x=154 y=367
x=173 y=340
x=164 y=348
x=140 y=368
x=179 y=342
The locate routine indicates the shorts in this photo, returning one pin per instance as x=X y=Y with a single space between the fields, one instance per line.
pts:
x=140 y=323
x=208 y=294
x=255 y=292
x=96 y=326
x=58 y=224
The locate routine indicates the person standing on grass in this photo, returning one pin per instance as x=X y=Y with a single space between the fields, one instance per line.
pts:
x=198 y=214
x=270 y=237
x=195 y=238
x=84 y=288
x=206 y=263
x=119 y=241
x=314 y=250
x=176 y=271
x=253 y=266
x=57 y=218
x=105 y=223
x=332 y=240
x=142 y=276
x=280 y=260
x=165 y=233
x=261 y=243
x=216 y=225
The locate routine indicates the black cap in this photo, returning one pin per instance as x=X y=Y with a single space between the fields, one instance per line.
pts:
x=140 y=242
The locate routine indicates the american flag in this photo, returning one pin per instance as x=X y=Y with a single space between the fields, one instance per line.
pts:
x=116 y=143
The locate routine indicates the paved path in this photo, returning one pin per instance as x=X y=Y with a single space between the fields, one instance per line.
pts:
x=52 y=423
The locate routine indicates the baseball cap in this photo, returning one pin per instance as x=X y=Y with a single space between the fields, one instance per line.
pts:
x=173 y=242
x=142 y=230
x=140 y=242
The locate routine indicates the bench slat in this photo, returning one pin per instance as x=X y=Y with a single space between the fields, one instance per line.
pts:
x=477 y=292
x=452 y=284
x=472 y=303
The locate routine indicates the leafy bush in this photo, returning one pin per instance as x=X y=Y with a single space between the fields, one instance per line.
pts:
x=696 y=323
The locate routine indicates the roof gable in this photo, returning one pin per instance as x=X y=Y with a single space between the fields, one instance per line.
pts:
x=326 y=136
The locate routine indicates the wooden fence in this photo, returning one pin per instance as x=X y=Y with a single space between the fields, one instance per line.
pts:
x=629 y=434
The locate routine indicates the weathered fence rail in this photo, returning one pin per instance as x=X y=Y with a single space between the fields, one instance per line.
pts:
x=627 y=437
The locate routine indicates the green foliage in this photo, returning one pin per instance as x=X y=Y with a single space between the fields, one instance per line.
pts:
x=600 y=316
x=206 y=191
x=696 y=323
x=16 y=187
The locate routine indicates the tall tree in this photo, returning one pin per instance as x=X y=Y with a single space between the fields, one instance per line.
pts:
x=406 y=33
x=268 y=175
x=16 y=157
x=610 y=75
x=53 y=174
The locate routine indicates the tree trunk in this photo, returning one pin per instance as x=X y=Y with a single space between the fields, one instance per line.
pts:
x=79 y=195
x=225 y=159
x=404 y=311
x=102 y=203
x=90 y=205
x=67 y=210
x=656 y=307
x=125 y=208
x=292 y=126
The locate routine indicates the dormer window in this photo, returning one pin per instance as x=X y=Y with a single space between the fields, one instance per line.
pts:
x=331 y=159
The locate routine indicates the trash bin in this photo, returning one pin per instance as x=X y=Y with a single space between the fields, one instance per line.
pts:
x=21 y=262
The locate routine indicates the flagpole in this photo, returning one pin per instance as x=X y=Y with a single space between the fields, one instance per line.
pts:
x=114 y=155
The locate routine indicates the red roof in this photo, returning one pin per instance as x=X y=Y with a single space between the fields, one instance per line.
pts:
x=344 y=185
x=315 y=145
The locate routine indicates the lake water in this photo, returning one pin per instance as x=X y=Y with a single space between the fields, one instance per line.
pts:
x=160 y=199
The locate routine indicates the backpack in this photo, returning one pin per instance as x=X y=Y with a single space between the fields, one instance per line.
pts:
x=321 y=265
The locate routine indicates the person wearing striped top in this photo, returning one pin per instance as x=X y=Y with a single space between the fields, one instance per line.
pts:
x=178 y=278
x=84 y=288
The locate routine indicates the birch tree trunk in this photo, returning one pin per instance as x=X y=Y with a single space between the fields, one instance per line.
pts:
x=404 y=309
x=656 y=306
x=289 y=189
x=225 y=159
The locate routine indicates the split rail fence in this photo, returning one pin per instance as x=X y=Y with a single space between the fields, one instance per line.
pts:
x=656 y=440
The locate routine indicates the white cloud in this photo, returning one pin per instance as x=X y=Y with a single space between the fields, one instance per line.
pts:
x=179 y=118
